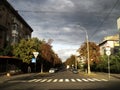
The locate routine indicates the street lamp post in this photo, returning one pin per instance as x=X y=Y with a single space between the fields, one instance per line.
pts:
x=88 y=54
x=76 y=59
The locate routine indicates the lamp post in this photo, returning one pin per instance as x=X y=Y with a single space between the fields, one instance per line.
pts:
x=76 y=59
x=88 y=54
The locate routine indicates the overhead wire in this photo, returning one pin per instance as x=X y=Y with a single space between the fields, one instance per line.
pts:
x=105 y=19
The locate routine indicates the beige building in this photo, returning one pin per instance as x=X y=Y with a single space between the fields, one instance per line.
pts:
x=112 y=42
x=12 y=26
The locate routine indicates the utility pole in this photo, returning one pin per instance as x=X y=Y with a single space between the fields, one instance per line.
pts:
x=76 y=59
x=88 y=53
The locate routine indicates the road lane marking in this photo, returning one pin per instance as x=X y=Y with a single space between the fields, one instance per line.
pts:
x=49 y=80
x=73 y=80
x=55 y=80
x=63 y=80
x=104 y=80
x=60 y=80
x=85 y=80
x=92 y=80
x=79 y=80
x=32 y=80
x=96 y=79
x=43 y=80
x=37 y=80
x=67 y=80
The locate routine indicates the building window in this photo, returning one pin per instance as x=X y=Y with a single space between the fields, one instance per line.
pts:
x=14 y=30
x=14 y=26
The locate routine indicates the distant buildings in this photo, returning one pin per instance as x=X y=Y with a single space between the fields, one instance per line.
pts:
x=12 y=26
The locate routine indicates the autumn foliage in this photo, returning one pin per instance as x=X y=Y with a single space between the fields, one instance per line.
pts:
x=94 y=51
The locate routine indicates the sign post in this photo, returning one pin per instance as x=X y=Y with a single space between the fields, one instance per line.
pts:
x=108 y=53
x=34 y=60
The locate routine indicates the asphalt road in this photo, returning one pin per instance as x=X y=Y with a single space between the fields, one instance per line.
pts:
x=62 y=80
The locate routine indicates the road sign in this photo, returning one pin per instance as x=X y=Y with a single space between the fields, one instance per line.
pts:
x=35 y=54
x=107 y=48
x=108 y=53
x=33 y=60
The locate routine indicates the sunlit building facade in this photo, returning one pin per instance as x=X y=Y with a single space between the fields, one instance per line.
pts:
x=112 y=42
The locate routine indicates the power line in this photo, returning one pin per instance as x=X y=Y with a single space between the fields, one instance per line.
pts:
x=105 y=19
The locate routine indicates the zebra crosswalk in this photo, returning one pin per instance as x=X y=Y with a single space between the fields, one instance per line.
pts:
x=68 y=80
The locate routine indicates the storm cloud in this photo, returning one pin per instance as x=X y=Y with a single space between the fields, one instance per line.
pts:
x=66 y=21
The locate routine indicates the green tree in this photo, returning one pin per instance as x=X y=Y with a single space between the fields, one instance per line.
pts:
x=102 y=66
x=115 y=63
x=46 y=59
x=24 y=50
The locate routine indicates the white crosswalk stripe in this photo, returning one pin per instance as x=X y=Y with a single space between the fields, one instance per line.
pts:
x=92 y=80
x=38 y=80
x=32 y=80
x=79 y=80
x=60 y=80
x=73 y=80
x=104 y=80
x=67 y=80
x=44 y=80
x=49 y=80
x=55 y=80
x=96 y=79
x=85 y=80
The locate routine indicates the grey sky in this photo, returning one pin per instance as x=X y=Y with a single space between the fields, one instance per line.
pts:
x=65 y=21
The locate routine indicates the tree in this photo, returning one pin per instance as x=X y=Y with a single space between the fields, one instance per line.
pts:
x=24 y=49
x=70 y=61
x=94 y=51
x=46 y=52
x=47 y=58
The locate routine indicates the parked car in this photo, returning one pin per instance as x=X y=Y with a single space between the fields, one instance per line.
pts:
x=52 y=70
x=75 y=71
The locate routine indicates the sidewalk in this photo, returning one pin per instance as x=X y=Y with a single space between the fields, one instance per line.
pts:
x=4 y=78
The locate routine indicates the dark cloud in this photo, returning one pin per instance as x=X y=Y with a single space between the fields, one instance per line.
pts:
x=66 y=21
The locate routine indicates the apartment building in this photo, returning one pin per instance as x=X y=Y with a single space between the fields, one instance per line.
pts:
x=12 y=26
x=112 y=42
